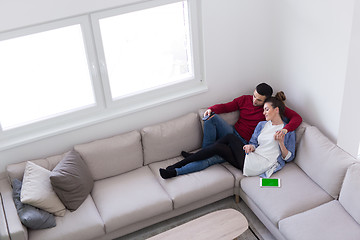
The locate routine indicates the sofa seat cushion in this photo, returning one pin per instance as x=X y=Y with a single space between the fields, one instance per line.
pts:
x=189 y=188
x=82 y=224
x=129 y=198
x=238 y=175
x=297 y=193
x=328 y=221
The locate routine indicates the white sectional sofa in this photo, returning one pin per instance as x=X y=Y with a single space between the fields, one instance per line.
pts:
x=129 y=194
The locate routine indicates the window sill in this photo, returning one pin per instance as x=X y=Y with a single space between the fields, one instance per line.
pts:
x=49 y=128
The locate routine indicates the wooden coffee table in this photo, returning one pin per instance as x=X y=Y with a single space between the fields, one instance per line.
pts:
x=222 y=224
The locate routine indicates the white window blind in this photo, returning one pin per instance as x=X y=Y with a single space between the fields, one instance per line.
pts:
x=147 y=48
x=43 y=75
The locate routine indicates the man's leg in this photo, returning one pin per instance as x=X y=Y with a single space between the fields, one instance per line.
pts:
x=215 y=128
x=199 y=165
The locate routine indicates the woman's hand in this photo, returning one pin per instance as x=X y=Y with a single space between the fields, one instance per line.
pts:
x=249 y=148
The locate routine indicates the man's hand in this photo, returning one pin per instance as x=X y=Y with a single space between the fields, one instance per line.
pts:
x=279 y=136
x=280 y=133
x=249 y=148
x=207 y=112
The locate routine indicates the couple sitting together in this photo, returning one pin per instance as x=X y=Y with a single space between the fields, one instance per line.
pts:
x=260 y=143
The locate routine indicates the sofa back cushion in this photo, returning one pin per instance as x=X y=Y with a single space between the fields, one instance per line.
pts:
x=299 y=132
x=323 y=161
x=112 y=156
x=350 y=192
x=16 y=170
x=168 y=139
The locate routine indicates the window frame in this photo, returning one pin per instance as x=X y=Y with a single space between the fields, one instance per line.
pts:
x=104 y=108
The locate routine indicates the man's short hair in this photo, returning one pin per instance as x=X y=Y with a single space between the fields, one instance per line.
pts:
x=264 y=89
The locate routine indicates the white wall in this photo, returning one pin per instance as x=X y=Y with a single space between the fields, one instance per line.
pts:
x=300 y=47
x=237 y=56
x=349 y=131
x=313 y=44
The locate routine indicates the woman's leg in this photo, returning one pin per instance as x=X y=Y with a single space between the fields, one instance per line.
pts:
x=229 y=148
x=236 y=145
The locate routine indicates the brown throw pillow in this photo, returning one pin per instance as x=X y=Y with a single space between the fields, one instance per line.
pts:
x=72 y=180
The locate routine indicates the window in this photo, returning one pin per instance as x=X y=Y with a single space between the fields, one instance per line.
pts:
x=71 y=73
x=43 y=75
x=147 y=48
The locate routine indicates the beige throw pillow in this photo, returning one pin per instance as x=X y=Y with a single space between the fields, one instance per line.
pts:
x=38 y=192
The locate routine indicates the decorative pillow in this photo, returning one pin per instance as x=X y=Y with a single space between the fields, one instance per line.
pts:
x=71 y=180
x=30 y=216
x=38 y=192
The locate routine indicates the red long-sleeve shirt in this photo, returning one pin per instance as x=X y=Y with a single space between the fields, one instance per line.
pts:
x=251 y=115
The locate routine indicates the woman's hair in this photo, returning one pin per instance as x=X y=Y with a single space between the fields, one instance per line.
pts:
x=278 y=102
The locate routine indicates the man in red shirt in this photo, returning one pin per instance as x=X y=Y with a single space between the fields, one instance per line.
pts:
x=251 y=113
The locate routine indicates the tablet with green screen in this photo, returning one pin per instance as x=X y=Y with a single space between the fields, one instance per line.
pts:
x=269 y=182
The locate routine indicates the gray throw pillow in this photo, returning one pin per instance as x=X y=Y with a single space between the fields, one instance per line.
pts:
x=30 y=216
x=71 y=180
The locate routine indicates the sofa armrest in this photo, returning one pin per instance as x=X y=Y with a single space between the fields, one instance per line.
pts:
x=16 y=230
x=4 y=233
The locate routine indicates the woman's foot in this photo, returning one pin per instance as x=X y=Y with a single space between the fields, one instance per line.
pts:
x=165 y=174
x=186 y=154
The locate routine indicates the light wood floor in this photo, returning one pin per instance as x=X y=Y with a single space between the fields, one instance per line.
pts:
x=256 y=231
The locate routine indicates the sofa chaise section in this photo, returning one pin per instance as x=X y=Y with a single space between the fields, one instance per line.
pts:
x=338 y=219
x=297 y=193
x=314 y=179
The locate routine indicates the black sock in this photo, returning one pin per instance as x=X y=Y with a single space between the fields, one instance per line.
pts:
x=165 y=174
x=186 y=154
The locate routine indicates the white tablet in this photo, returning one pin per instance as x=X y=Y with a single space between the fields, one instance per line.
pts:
x=269 y=182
